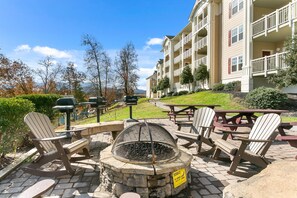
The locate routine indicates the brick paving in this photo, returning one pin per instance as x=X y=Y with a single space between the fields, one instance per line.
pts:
x=208 y=177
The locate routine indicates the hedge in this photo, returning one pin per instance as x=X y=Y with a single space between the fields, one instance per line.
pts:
x=43 y=103
x=12 y=126
x=266 y=98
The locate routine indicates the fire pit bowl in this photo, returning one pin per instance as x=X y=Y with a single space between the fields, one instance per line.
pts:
x=145 y=143
x=145 y=159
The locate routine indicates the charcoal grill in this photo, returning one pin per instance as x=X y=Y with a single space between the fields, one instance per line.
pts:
x=145 y=143
x=98 y=103
x=130 y=101
x=66 y=105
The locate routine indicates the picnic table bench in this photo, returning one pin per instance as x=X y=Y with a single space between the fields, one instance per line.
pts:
x=242 y=118
x=185 y=110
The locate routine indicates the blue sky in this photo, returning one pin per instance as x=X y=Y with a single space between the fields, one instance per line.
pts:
x=33 y=29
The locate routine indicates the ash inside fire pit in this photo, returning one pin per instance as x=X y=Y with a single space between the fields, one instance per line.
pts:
x=142 y=151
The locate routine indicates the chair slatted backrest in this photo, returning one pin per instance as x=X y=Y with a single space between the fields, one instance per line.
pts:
x=203 y=117
x=262 y=130
x=41 y=127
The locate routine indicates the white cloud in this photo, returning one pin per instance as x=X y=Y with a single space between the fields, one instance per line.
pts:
x=153 y=41
x=22 y=48
x=48 y=51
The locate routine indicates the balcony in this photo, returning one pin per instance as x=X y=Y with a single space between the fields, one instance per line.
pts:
x=201 y=24
x=200 y=61
x=177 y=59
x=187 y=38
x=188 y=53
x=177 y=72
x=275 y=20
x=167 y=63
x=268 y=64
x=177 y=46
x=201 y=43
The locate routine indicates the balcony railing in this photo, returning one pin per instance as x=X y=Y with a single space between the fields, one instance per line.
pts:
x=177 y=59
x=188 y=53
x=268 y=64
x=177 y=72
x=201 y=43
x=275 y=19
x=187 y=38
x=167 y=63
x=200 y=61
x=201 y=24
x=177 y=46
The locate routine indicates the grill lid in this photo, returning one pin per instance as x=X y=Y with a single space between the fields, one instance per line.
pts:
x=145 y=143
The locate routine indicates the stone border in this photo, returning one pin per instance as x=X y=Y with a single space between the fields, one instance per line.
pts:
x=8 y=169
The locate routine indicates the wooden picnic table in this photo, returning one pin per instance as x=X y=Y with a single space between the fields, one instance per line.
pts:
x=224 y=120
x=185 y=109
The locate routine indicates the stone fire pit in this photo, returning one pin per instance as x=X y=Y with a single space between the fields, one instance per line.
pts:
x=152 y=169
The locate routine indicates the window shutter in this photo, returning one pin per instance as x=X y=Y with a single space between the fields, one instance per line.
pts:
x=229 y=66
x=230 y=10
x=229 y=38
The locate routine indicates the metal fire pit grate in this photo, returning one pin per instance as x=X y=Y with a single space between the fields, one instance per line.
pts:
x=145 y=143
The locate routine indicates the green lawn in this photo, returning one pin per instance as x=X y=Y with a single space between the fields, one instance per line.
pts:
x=205 y=97
x=144 y=109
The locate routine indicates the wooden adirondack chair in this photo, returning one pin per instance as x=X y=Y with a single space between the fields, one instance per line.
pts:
x=254 y=147
x=200 y=130
x=50 y=147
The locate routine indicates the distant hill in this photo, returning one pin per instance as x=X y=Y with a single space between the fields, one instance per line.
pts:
x=139 y=91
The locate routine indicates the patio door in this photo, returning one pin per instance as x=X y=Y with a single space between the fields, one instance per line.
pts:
x=268 y=60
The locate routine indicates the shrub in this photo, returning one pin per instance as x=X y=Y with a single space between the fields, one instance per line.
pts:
x=182 y=93
x=12 y=126
x=200 y=89
x=218 y=87
x=175 y=94
x=43 y=103
x=266 y=98
x=163 y=96
x=170 y=93
x=233 y=86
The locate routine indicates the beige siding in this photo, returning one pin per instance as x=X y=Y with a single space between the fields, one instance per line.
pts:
x=235 y=49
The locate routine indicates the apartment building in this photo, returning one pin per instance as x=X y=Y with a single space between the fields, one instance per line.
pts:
x=238 y=40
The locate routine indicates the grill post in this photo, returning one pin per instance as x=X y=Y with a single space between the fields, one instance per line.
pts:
x=66 y=105
x=130 y=101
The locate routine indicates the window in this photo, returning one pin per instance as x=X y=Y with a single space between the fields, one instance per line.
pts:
x=234 y=6
x=237 y=34
x=234 y=35
x=240 y=5
x=240 y=33
x=236 y=63
x=237 y=5
x=240 y=62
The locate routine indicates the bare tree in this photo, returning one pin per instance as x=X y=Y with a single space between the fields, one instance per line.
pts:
x=48 y=73
x=93 y=59
x=73 y=78
x=106 y=66
x=126 y=68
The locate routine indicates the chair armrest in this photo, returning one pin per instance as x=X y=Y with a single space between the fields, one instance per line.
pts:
x=238 y=125
x=210 y=127
x=234 y=132
x=73 y=130
x=249 y=140
x=50 y=139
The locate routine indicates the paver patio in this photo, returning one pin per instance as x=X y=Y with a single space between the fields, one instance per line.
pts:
x=209 y=177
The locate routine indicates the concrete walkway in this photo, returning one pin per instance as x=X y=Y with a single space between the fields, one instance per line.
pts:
x=209 y=177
